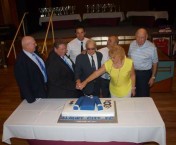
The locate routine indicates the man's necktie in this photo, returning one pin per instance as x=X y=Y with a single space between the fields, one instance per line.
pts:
x=69 y=64
x=42 y=67
x=93 y=64
x=82 y=46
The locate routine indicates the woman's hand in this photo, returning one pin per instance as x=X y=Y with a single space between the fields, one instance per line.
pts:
x=133 y=91
x=78 y=82
x=80 y=85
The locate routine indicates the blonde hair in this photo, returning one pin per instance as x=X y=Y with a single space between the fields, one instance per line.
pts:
x=117 y=51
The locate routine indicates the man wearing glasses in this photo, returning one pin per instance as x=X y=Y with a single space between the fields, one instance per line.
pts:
x=85 y=65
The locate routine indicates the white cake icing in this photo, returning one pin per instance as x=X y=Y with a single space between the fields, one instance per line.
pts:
x=108 y=109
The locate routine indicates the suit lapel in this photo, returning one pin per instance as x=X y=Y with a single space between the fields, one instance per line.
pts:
x=31 y=61
x=88 y=60
x=98 y=60
x=65 y=65
x=73 y=65
x=32 y=64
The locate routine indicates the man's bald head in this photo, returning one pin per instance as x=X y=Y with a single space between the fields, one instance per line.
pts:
x=112 y=41
x=141 y=36
x=28 y=43
x=142 y=31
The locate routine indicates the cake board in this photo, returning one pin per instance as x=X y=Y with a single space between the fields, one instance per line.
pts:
x=90 y=119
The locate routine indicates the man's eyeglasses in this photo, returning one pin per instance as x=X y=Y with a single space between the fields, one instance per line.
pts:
x=90 y=48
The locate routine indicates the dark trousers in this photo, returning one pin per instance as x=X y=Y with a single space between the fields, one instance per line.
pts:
x=93 y=89
x=142 y=80
x=105 y=88
x=96 y=88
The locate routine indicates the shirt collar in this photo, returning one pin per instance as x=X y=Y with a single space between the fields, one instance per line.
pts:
x=80 y=40
x=91 y=55
x=27 y=53
x=142 y=46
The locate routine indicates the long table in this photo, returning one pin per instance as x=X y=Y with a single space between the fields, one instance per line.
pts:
x=62 y=21
x=60 y=18
x=138 y=121
x=148 y=18
x=109 y=18
x=156 y=14
x=104 y=15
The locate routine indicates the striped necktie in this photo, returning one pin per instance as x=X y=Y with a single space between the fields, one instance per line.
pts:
x=93 y=64
x=42 y=67
x=65 y=59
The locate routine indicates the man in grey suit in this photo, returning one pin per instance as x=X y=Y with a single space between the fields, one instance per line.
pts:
x=86 y=64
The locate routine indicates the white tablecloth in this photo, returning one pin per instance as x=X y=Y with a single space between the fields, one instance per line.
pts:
x=60 y=18
x=156 y=14
x=138 y=121
x=104 y=15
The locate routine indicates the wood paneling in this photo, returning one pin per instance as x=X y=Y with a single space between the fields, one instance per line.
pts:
x=134 y=5
x=13 y=13
x=1 y=14
x=8 y=12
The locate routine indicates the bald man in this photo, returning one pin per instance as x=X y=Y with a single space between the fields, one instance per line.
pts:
x=145 y=57
x=30 y=72
x=105 y=79
x=85 y=65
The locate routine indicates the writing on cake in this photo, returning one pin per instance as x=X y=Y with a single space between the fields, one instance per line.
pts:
x=89 y=109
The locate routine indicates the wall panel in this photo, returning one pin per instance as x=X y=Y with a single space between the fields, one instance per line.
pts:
x=8 y=12
x=1 y=14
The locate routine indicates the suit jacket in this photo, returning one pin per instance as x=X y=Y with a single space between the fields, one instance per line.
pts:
x=83 y=69
x=61 y=80
x=29 y=78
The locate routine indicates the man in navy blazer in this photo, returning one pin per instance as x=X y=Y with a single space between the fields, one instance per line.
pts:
x=29 y=72
x=60 y=70
x=83 y=68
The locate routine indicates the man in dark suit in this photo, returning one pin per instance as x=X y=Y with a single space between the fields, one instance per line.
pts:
x=30 y=72
x=86 y=64
x=60 y=70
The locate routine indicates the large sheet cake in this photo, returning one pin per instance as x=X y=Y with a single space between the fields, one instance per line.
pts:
x=105 y=114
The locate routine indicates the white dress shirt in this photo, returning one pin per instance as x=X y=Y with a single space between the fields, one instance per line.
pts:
x=105 y=53
x=74 y=48
x=30 y=55
x=95 y=60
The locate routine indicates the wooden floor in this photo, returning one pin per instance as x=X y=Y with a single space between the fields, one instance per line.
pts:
x=9 y=100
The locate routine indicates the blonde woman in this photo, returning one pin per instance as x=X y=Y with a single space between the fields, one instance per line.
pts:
x=121 y=71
